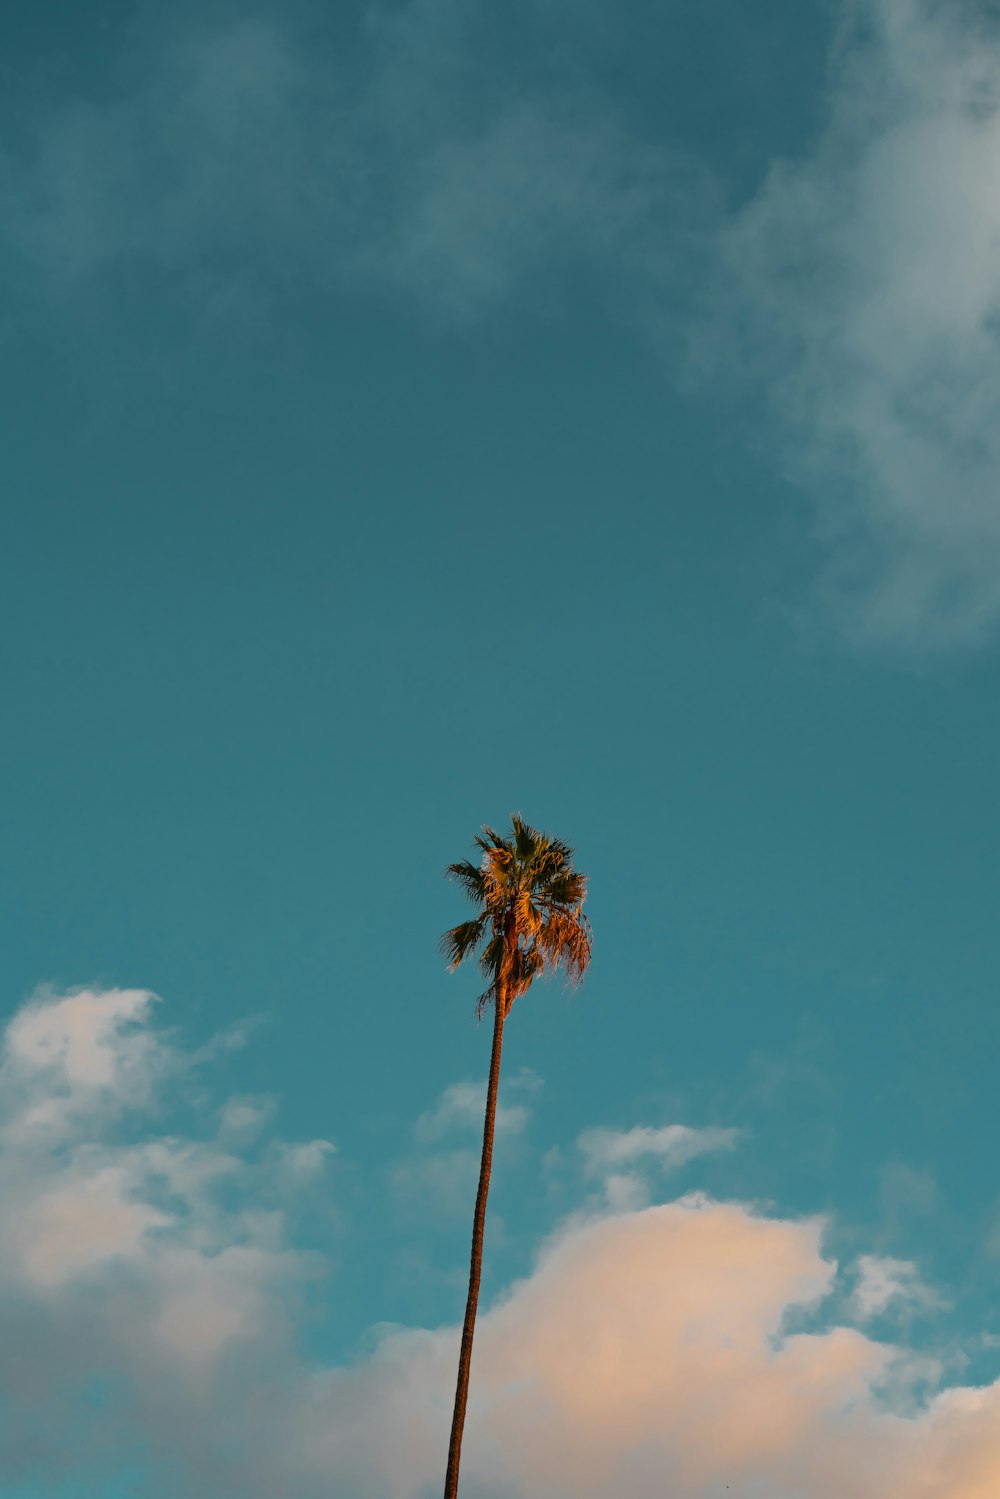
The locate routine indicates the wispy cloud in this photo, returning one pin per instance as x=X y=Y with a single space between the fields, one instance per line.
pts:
x=886 y=1284
x=623 y=1160
x=237 y=158
x=443 y=1164
x=177 y=165
x=670 y=1146
x=865 y=278
x=461 y=1105
x=242 y=1118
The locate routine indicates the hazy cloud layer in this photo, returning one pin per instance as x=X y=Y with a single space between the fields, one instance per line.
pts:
x=238 y=158
x=248 y=163
x=151 y=1291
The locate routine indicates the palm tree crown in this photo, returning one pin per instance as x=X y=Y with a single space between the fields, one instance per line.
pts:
x=530 y=919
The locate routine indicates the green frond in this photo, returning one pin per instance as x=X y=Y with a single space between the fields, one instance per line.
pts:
x=566 y=888
x=492 y=840
x=469 y=877
x=459 y=941
x=559 y=851
x=527 y=840
x=552 y=862
x=491 y=957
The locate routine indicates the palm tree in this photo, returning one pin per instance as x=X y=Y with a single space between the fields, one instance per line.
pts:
x=529 y=922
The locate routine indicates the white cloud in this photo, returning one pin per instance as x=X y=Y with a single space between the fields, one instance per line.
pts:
x=866 y=279
x=142 y=1222
x=81 y=1038
x=81 y=1223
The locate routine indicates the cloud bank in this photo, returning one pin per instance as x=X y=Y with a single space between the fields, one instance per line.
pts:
x=151 y=1292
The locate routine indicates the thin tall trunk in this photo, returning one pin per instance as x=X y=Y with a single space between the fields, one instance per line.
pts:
x=476 y=1265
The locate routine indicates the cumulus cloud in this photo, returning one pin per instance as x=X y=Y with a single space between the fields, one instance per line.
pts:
x=865 y=277
x=72 y=1053
x=150 y=1294
x=648 y=1353
x=125 y=1255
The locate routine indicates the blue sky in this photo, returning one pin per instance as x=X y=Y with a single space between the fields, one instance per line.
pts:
x=416 y=413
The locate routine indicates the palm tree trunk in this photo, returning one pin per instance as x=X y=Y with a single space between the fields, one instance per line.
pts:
x=476 y=1265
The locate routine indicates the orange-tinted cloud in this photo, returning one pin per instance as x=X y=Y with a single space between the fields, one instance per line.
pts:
x=645 y=1356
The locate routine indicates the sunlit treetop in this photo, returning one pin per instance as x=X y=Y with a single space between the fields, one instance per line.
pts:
x=530 y=918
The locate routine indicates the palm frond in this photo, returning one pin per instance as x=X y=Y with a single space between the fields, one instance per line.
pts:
x=527 y=918
x=567 y=888
x=487 y=998
x=497 y=868
x=552 y=861
x=459 y=941
x=566 y=942
x=526 y=964
x=470 y=877
x=492 y=840
x=492 y=956
x=527 y=840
